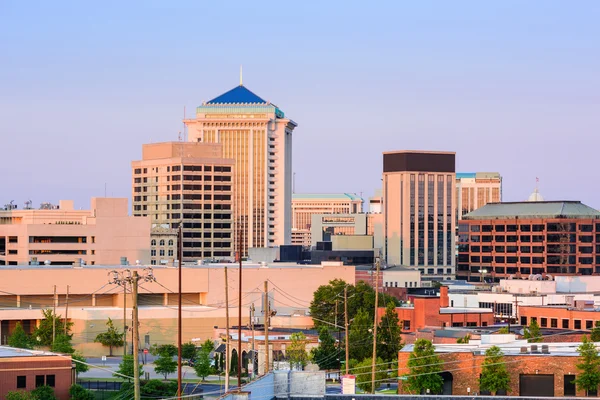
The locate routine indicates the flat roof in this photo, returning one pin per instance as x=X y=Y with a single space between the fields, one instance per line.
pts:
x=9 y=352
x=534 y=210
x=245 y=265
x=316 y=196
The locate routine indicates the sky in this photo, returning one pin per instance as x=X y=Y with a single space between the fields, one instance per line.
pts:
x=510 y=86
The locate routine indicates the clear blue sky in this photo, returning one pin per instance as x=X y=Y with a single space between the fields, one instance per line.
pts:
x=511 y=86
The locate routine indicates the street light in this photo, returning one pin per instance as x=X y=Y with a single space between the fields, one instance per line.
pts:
x=483 y=272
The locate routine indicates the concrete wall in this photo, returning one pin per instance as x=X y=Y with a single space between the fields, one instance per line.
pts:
x=351 y=242
x=282 y=385
x=267 y=254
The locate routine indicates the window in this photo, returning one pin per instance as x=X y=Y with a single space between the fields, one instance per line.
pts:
x=21 y=382
x=153 y=242
x=577 y=323
x=170 y=253
x=170 y=242
x=565 y=324
x=162 y=253
x=51 y=380
x=406 y=326
x=153 y=253
x=162 y=242
x=523 y=321
x=544 y=322
x=40 y=380
x=553 y=323
x=589 y=324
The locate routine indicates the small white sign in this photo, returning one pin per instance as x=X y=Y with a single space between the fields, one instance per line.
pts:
x=348 y=384
x=103 y=358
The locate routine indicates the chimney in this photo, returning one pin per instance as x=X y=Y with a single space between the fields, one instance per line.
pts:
x=444 y=301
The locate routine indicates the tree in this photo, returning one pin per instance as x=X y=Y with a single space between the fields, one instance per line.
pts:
x=19 y=395
x=158 y=389
x=589 y=378
x=62 y=344
x=362 y=371
x=533 y=333
x=503 y=330
x=217 y=362
x=111 y=338
x=163 y=350
x=79 y=366
x=188 y=351
x=595 y=334
x=296 y=351
x=126 y=367
x=43 y=332
x=165 y=364
x=361 y=336
x=360 y=296
x=78 y=392
x=202 y=365
x=43 y=393
x=464 y=340
x=424 y=366
x=234 y=363
x=494 y=376
x=19 y=338
x=388 y=339
x=327 y=354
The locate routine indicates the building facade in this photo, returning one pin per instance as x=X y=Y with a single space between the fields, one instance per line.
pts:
x=61 y=235
x=474 y=190
x=304 y=206
x=256 y=134
x=501 y=240
x=326 y=227
x=419 y=211
x=189 y=183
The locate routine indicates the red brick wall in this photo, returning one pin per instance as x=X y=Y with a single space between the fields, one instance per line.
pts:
x=12 y=367
x=569 y=314
x=466 y=367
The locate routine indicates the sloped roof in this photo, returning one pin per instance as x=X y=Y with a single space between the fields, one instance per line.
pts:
x=238 y=95
x=538 y=209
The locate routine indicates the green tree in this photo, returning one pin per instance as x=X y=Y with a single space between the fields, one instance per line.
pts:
x=43 y=332
x=296 y=351
x=589 y=377
x=62 y=344
x=79 y=366
x=155 y=388
x=388 y=338
x=360 y=296
x=163 y=350
x=126 y=367
x=494 y=376
x=362 y=371
x=188 y=351
x=165 y=365
x=533 y=333
x=19 y=339
x=207 y=346
x=595 y=334
x=327 y=354
x=233 y=363
x=111 y=338
x=202 y=365
x=464 y=340
x=43 y=393
x=503 y=330
x=424 y=367
x=19 y=395
x=78 y=392
x=361 y=336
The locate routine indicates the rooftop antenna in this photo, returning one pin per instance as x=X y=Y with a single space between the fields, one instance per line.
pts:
x=241 y=82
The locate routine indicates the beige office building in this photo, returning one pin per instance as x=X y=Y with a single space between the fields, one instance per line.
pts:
x=189 y=182
x=61 y=235
x=418 y=212
x=257 y=135
x=304 y=206
x=475 y=190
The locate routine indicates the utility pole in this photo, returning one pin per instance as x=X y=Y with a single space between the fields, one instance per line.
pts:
x=124 y=318
x=373 y=361
x=239 y=366
x=253 y=344
x=179 y=318
x=133 y=279
x=226 y=332
x=54 y=316
x=267 y=317
x=346 y=324
x=335 y=323
x=66 y=310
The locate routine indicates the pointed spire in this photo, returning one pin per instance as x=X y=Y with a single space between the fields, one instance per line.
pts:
x=241 y=82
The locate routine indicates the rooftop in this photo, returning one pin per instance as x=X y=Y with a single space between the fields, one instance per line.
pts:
x=538 y=209
x=326 y=196
x=9 y=352
x=238 y=95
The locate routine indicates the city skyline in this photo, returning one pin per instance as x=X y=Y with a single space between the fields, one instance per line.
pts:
x=511 y=88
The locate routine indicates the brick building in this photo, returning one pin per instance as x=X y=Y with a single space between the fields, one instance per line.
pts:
x=581 y=316
x=27 y=369
x=542 y=370
x=423 y=311
x=501 y=240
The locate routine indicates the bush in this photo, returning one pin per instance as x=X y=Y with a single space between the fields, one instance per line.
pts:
x=19 y=395
x=78 y=392
x=43 y=393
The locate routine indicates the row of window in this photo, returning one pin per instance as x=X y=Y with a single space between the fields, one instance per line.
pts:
x=464 y=269
x=194 y=168
x=216 y=188
x=562 y=249
x=395 y=284
x=161 y=242
x=40 y=380
x=217 y=197
x=550 y=238
x=438 y=271
x=565 y=323
x=549 y=227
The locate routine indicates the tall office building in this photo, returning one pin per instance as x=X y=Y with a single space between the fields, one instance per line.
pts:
x=419 y=211
x=257 y=135
x=304 y=206
x=475 y=190
x=178 y=182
